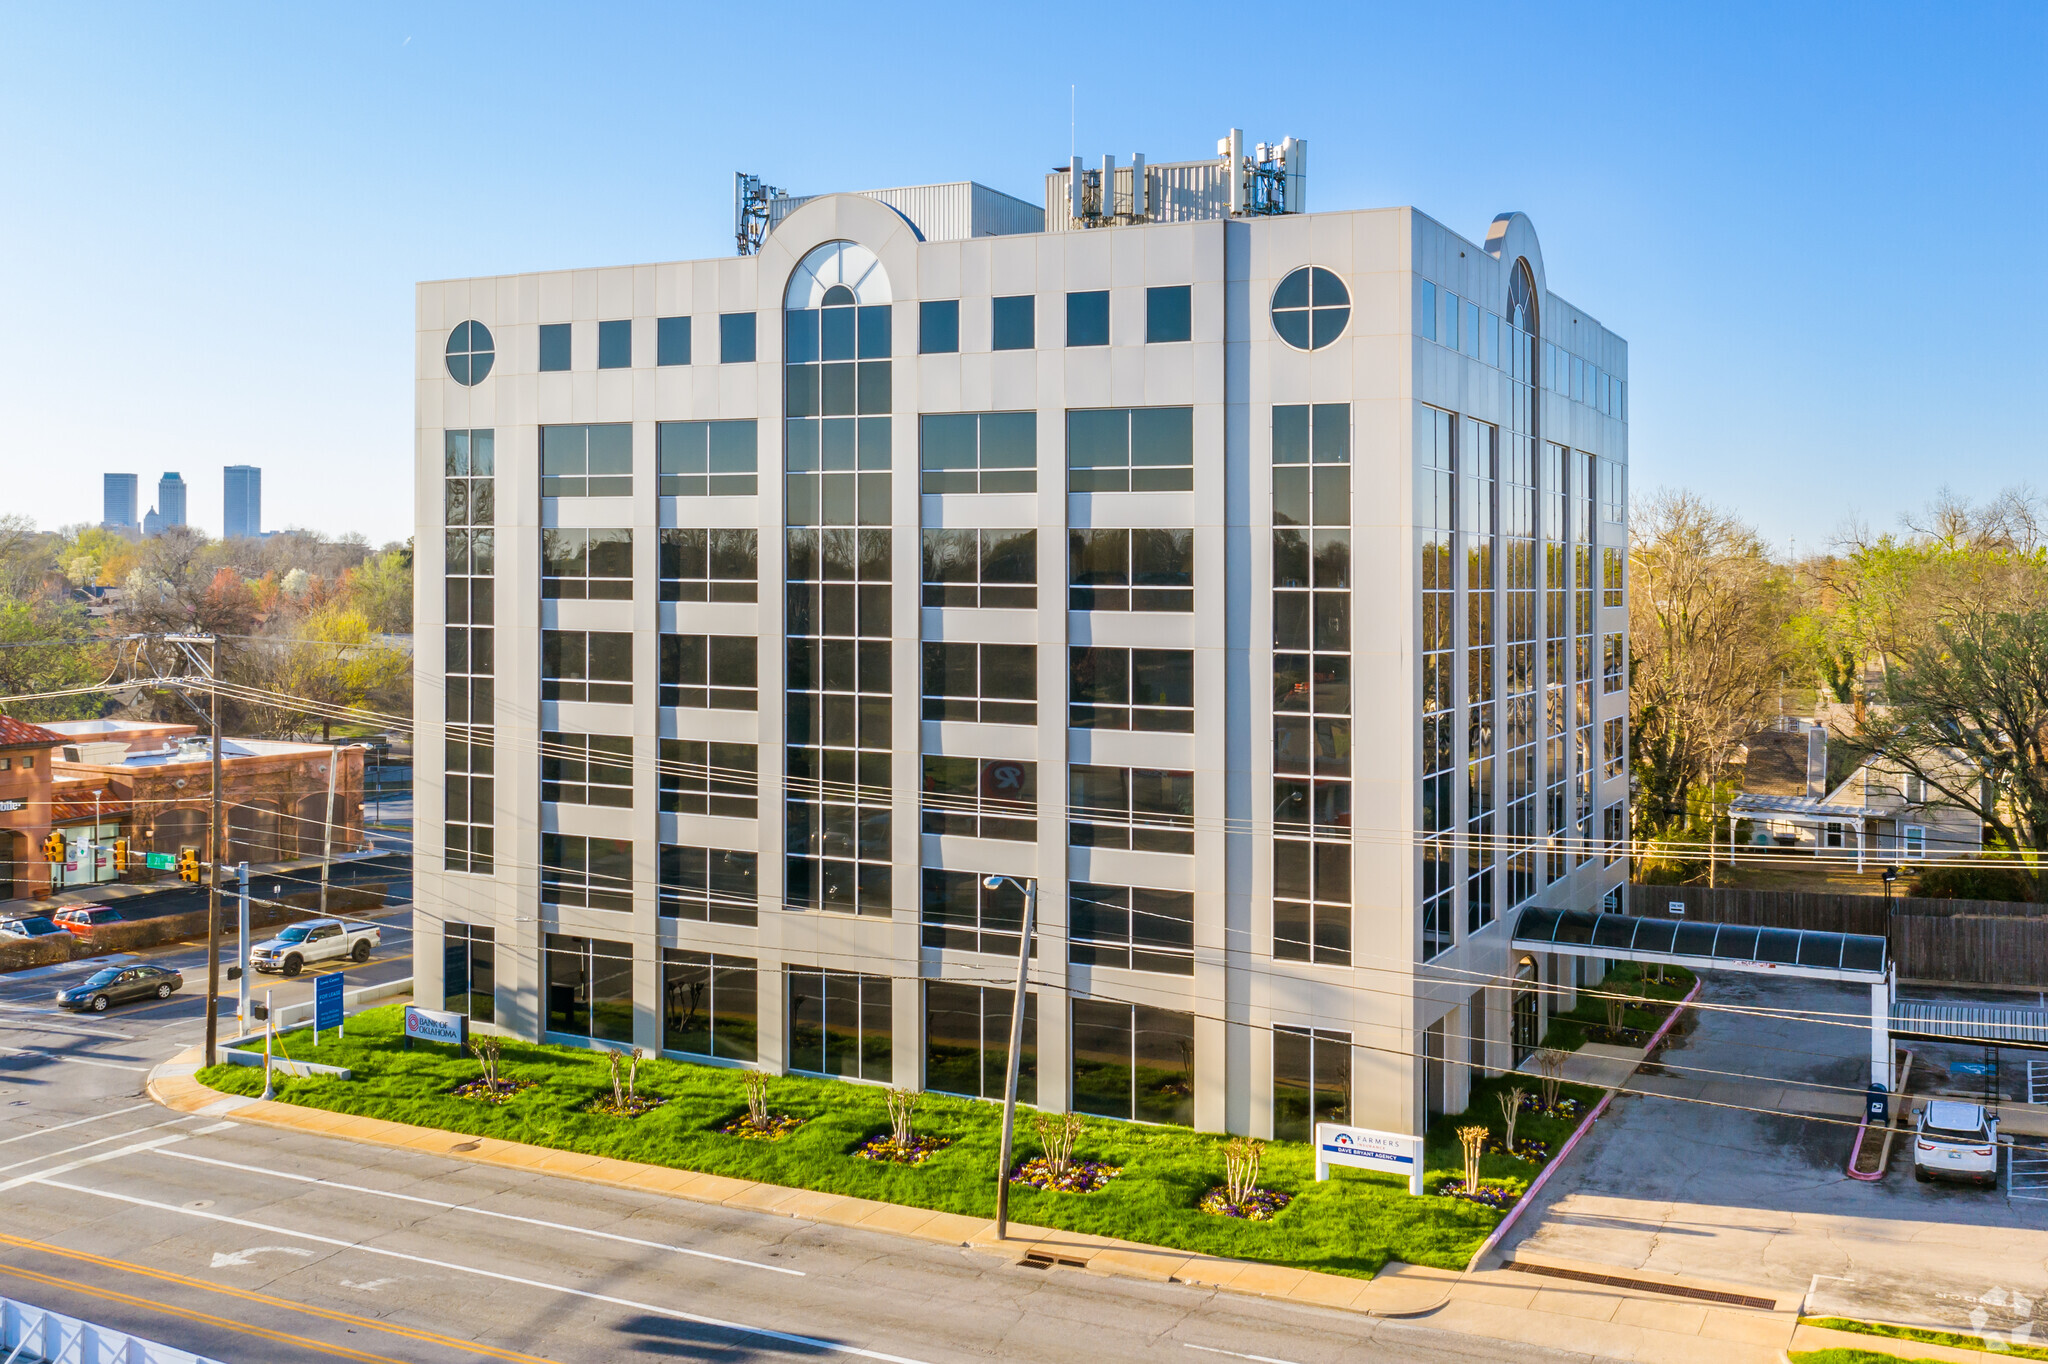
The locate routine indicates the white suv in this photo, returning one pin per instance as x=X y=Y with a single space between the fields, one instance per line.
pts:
x=1953 y=1140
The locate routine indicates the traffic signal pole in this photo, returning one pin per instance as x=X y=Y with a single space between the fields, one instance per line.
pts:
x=213 y=860
x=242 y=957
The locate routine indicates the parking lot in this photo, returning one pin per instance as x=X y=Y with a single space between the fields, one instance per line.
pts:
x=1722 y=1177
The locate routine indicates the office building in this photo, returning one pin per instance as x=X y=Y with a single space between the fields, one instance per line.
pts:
x=1250 y=580
x=241 y=502
x=170 y=501
x=117 y=501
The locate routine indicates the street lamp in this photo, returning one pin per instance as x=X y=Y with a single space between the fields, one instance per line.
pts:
x=1029 y=885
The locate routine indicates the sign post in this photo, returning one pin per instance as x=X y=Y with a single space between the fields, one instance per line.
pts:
x=326 y=1003
x=435 y=1025
x=1390 y=1153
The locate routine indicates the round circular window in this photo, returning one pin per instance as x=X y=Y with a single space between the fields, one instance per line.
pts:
x=470 y=353
x=1310 y=308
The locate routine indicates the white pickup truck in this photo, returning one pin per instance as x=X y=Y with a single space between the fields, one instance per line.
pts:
x=313 y=941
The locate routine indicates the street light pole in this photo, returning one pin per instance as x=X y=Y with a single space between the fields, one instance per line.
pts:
x=1029 y=885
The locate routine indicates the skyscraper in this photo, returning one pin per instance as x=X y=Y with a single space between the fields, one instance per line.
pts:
x=241 y=502
x=117 y=502
x=170 y=500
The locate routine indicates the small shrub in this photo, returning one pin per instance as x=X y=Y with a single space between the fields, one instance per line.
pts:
x=1974 y=883
x=1550 y=1065
x=487 y=1050
x=1057 y=1133
x=1510 y=1111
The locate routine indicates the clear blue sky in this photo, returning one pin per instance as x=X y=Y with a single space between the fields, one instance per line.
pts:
x=1817 y=226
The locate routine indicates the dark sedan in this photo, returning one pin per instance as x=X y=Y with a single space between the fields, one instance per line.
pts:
x=118 y=985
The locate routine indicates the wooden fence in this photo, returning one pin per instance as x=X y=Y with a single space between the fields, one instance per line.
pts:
x=1961 y=942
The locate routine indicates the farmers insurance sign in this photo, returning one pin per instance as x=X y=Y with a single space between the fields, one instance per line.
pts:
x=432 y=1025
x=1390 y=1153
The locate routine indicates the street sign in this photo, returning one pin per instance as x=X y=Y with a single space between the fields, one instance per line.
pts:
x=326 y=1003
x=1390 y=1153
x=160 y=861
x=433 y=1025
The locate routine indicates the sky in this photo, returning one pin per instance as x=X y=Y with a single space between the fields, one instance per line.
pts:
x=1816 y=226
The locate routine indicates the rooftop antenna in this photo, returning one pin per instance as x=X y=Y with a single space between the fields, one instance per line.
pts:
x=750 y=211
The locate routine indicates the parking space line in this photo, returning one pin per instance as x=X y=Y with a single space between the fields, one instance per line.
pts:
x=470 y=1208
x=812 y=1343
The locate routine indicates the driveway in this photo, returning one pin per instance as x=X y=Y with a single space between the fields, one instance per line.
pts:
x=1737 y=1176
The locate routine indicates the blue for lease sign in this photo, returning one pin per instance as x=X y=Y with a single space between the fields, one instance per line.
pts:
x=327 y=1000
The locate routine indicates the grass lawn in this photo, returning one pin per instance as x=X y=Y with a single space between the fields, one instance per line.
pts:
x=1958 y=1340
x=1352 y=1224
x=1852 y=1357
x=1567 y=1031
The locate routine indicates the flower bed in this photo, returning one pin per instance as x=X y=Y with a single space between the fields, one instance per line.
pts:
x=1526 y=1148
x=1566 y=1109
x=915 y=1151
x=777 y=1126
x=1080 y=1176
x=1487 y=1195
x=484 y=1093
x=1262 y=1206
x=635 y=1106
x=1617 y=1037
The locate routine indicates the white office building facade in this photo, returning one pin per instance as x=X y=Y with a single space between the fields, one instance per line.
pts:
x=1255 y=584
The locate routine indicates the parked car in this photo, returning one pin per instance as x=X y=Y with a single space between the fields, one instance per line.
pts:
x=83 y=919
x=315 y=940
x=1954 y=1140
x=33 y=926
x=118 y=985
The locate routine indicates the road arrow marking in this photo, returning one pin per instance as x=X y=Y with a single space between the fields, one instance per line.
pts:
x=241 y=1257
x=371 y=1286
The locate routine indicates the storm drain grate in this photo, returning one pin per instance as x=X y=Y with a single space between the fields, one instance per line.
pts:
x=1646 y=1286
x=1038 y=1259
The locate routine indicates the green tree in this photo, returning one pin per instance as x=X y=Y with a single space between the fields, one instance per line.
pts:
x=48 y=646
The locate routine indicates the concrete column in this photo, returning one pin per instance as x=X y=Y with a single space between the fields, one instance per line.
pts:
x=1457 y=1058
x=1881 y=1033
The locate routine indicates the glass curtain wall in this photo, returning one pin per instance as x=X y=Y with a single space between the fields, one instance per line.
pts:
x=1556 y=668
x=1312 y=683
x=469 y=498
x=1436 y=498
x=1518 y=519
x=837 y=427
x=1584 y=670
x=1477 y=452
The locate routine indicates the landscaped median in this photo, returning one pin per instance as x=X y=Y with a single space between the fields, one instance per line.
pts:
x=1351 y=1225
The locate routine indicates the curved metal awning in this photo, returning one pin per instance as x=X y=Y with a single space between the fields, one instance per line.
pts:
x=1712 y=947
x=1970 y=1023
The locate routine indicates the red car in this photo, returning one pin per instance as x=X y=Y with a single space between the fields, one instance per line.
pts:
x=83 y=919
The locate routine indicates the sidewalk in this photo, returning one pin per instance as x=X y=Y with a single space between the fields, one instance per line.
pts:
x=1546 y=1302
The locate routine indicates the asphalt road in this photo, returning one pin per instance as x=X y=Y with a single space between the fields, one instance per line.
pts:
x=248 y=1244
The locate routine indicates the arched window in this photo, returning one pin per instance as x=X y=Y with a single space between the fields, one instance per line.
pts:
x=837 y=339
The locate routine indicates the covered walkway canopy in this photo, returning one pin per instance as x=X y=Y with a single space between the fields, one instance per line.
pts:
x=1806 y=953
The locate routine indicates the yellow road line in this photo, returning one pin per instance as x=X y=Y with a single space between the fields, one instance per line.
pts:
x=470 y=1347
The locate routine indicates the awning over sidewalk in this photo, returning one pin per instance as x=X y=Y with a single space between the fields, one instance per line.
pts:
x=1725 y=947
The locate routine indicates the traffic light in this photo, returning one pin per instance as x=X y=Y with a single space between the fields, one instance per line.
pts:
x=188 y=865
x=120 y=854
x=53 y=847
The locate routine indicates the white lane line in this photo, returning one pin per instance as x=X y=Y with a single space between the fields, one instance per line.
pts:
x=43 y=1131
x=88 y=1145
x=76 y=1060
x=480 y=1212
x=1235 y=1354
x=767 y=1333
x=25 y=1025
x=211 y=1128
x=69 y=1166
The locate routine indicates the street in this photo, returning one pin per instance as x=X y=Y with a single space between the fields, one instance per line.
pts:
x=242 y=1242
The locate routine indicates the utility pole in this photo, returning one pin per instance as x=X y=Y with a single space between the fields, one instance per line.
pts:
x=214 y=854
x=327 y=826
x=1030 y=888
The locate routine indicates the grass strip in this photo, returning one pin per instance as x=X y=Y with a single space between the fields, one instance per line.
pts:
x=1853 y=1357
x=1351 y=1224
x=1956 y=1340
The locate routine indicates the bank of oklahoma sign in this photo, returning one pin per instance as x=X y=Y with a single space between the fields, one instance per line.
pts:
x=1390 y=1153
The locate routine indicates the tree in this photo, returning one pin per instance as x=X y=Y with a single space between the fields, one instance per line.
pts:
x=1967 y=713
x=332 y=661
x=381 y=588
x=1708 y=611
x=40 y=652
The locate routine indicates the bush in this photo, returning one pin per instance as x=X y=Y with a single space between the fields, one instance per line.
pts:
x=1974 y=883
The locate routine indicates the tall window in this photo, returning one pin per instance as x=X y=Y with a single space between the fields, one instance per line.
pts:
x=710 y=1005
x=1520 y=522
x=469 y=504
x=1436 y=502
x=837 y=386
x=469 y=970
x=1557 y=586
x=589 y=987
x=1312 y=683
x=1134 y=1062
x=839 y=1024
x=967 y=1041
x=1478 y=452
x=1583 y=510
x=1311 y=1081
